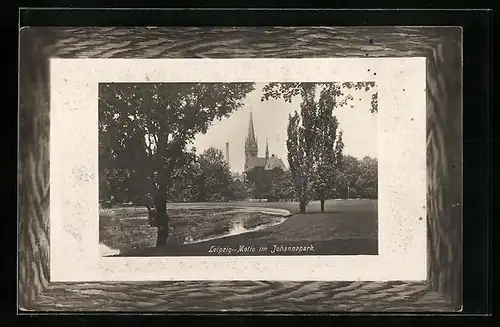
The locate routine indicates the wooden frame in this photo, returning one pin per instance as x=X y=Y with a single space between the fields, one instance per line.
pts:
x=443 y=290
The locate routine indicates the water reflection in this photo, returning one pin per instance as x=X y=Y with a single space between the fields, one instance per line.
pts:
x=190 y=224
x=233 y=222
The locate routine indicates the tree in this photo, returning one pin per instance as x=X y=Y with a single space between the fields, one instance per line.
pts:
x=186 y=180
x=357 y=177
x=299 y=159
x=215 y=176
x=348 y=173
x=260 y=182
x=283 y=187
x=238 y=190
x=273 y=178
x=143 y=132
x=314 y=150
x=255 y=180
x=367 y=182
x=328 y=148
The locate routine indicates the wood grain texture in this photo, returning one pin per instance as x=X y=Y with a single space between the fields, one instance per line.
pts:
x=242 y=296
x=33 y=238
x=440 y=45
x=444 y=169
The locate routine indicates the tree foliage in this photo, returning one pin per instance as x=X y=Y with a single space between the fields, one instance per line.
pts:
x=282 y=187
x=340 y=91
x=261 y=182
x=238 y=189
x=144 y=129
x=185 y=179
x=299 y=159
x=367 y=182
x=216 y=179
x=357 y=178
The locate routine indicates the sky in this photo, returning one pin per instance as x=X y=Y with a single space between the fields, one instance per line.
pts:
x=270 y=117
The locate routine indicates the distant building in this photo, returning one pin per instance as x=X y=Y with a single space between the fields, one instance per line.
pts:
x=252 y=159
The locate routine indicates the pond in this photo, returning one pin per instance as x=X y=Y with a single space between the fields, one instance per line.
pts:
x=122 y=229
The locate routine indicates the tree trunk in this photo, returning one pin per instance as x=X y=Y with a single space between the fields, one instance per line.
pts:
x=302 y=205
x=161 y=221
x=322 y=198
x=162 y=235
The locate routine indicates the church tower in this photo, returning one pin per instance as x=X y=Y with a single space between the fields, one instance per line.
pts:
x=251 y=147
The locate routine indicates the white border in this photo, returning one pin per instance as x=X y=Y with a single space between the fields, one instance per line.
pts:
x=74 y=180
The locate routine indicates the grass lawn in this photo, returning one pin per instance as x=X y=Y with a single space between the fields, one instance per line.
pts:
x=346 y=227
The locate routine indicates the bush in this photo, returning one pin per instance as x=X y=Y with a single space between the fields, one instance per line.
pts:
x=217 y=197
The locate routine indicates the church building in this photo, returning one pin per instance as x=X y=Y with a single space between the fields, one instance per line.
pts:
x=252 y=159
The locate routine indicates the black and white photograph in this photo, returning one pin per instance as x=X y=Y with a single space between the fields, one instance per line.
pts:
x=238 y=168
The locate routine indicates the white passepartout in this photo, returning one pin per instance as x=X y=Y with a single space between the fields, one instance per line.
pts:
x=75 y=249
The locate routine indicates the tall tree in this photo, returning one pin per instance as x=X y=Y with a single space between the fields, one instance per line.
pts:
x=327 y=150
x=143 y=132
x=300 y=144
x=314 y=146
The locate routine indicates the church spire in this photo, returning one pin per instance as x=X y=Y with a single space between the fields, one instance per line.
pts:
x=251 y=146
x=251 y=132
x=267 y=150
